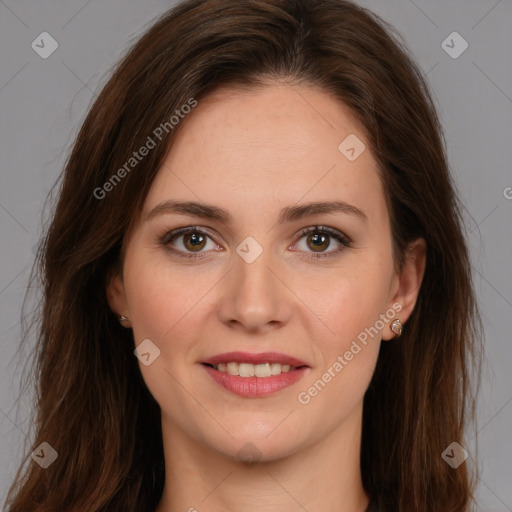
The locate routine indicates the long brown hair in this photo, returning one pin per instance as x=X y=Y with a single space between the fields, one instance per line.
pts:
x=91 y=403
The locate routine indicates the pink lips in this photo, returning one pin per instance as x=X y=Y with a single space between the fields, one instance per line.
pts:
x=255 y=386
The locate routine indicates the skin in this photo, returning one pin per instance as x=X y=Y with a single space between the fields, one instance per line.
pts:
x=253 y=153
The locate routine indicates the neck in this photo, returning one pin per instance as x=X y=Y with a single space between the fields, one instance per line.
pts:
x=323 y=476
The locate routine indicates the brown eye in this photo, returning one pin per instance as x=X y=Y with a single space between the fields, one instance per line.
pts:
x=194 y=241
x=318 y=242
x=319 y=238
x=188 y=242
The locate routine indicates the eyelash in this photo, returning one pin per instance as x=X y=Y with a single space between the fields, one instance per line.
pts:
x=340 y=237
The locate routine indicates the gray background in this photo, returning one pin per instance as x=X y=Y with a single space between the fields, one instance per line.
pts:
x=43 y=102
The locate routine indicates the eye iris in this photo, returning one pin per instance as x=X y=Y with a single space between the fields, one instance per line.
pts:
x=318 y=237
x=195 y=239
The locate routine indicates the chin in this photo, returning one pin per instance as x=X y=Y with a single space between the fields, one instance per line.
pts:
x=253 y=447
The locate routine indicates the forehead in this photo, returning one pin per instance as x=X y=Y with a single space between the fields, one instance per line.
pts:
x=269 y=147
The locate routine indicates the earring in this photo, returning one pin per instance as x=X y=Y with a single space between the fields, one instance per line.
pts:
x=396 y=327
x=122 y=318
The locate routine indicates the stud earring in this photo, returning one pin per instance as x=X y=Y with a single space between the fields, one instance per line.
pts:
x=396 y=327
x=122 y=318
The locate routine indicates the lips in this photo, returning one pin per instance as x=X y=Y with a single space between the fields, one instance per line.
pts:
x=261 y=358
x=291 y=370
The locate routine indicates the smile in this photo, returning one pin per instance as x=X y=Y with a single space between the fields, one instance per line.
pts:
x=253 y=370
x=255 y=375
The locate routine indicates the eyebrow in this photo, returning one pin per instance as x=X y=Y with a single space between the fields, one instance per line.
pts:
x=287 y=214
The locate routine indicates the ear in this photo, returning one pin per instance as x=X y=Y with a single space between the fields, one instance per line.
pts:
x=407 y=284
x=116 y=296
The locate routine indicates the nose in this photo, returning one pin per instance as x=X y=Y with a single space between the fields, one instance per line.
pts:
x=254 y=295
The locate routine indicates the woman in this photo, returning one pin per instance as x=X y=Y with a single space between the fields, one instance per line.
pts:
x=257 y=292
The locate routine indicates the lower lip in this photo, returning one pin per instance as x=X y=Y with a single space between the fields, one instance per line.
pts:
x=256 y=386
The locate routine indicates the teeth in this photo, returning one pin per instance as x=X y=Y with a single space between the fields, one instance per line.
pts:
x=246 y=370
x=251 y=370
x=262 y=370
x=232 y=368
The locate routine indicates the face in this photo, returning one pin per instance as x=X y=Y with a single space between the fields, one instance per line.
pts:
x=308 y=286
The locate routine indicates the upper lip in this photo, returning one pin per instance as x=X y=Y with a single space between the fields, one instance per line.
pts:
x=247 y=357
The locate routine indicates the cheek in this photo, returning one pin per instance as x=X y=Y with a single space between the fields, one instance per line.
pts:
x=153 y=305
x=354 y=348
x=351 y=308
x=351 y=303
x=159 y=300
x=163 y=309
